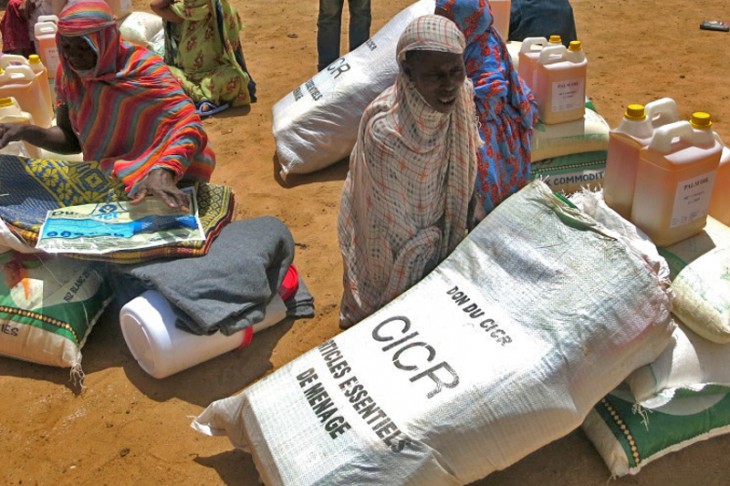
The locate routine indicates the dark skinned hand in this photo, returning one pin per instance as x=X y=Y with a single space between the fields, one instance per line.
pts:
x=10 y=132
x=161 y=183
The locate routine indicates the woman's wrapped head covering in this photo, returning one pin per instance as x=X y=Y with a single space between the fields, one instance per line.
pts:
x=430 y=33
x=94 y=21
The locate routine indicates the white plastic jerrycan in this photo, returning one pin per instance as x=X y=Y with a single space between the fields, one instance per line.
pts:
x=529 y=54
x=45 y=42
x=162 y=349
x=633 y=133
x=560 y=83
x=41 y=73
x=20 y=82
x=675 y=179
x=10 y=112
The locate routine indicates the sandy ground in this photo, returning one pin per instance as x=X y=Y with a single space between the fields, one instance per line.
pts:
x=126 y=427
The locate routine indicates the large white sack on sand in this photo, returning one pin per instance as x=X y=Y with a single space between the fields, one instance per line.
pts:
x=316 y=124
x=500 y=350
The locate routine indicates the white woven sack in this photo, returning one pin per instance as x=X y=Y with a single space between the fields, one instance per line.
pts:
x=316 y=124
x=502 y=349
x=140 y=28
x=689 y=365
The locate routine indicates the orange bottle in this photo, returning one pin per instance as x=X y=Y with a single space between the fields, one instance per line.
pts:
x=560 y=83
x=45 y=42
x=41 y=75
x=624 y=142
x=10 y=112
x=720 y=200
x=529 y=54
x=675 y=178
x=20 y=82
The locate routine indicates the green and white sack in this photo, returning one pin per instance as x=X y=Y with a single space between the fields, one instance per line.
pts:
x=48 y=307
x=503 y=348
x=628 y=438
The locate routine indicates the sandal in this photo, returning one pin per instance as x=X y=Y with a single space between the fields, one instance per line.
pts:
x=206 y=108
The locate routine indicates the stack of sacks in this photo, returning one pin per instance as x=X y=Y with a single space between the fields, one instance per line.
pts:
x=316 y=124
x=500 y=350
x=571 y=155
x=684 y=395
x=681 y=398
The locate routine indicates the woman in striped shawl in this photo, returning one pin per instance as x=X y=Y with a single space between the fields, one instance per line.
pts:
x=120 y=105
x=406 y=198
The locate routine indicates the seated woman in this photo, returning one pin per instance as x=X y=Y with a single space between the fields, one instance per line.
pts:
x=506 y=108
x=204 y=52
x=119 y=104
x=406 y=198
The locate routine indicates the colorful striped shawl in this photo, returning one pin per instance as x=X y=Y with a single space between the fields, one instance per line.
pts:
x=129 y=112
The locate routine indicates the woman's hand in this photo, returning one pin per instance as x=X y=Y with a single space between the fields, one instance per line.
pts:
x=11 y=132
x=161 y=183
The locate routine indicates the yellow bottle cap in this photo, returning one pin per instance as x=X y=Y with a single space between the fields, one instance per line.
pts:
x=635 y=112
x=6 y=102
x=555 y=39
x=700 y=119
x=575 y=45
x=34 y=59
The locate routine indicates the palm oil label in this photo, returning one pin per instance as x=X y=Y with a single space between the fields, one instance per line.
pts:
x=692 y=199
x=568 y=94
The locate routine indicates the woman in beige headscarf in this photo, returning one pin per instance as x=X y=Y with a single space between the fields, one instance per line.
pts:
x=407 y=196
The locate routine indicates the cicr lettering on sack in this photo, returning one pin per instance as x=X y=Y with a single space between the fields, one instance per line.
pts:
x=409 y=354
x=490 y=326
x=338 y=67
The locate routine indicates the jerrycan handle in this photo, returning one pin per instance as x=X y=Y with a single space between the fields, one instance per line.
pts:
x=11 y=59
x=662 y=140
x=662 y=111
x=552 y=53
x=23 y=70
x=529 y=42
x=47 y=18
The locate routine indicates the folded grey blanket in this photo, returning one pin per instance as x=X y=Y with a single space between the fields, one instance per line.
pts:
x=228 y=289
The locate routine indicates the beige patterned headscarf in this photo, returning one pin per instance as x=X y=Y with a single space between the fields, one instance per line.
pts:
x=412 y=174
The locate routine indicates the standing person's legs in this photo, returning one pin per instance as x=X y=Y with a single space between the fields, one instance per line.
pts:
x=328 y=32
x=359 y=22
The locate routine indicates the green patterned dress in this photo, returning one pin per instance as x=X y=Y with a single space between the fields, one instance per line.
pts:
x=204 y=53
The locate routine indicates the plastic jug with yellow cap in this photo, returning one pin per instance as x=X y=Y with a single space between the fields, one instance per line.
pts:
x=529 y=54
x=560 y=83
x=10 y=112
x=675 y=179
x=20 y=82
x=41 y=73
x=624 y=142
